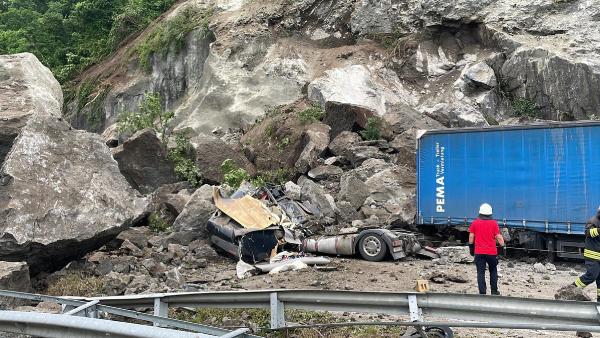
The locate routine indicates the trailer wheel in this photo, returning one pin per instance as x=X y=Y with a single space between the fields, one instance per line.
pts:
x=372 y=248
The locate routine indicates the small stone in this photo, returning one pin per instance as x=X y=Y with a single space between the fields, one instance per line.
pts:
x=539 y=268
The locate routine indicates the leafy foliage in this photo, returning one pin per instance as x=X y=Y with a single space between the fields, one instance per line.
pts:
x=172 y=32
x=283 y=143
x=184 y=160
x=526 y=108
x=277 y=176
x=70 y=35
x=373 y=129
x=156 y=223
x=149 y=115
x=311 y=114
x=234 y=176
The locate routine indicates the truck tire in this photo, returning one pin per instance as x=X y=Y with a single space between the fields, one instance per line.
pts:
x=372 y=248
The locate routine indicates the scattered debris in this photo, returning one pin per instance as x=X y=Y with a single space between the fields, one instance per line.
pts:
x=571 y=292
x=540 y=268
x=454 y=254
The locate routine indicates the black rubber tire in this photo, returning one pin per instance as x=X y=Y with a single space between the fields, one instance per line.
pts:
x=372 y=248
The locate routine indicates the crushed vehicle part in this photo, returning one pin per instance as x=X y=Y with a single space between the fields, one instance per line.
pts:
x=244 y=269
x=290 y=266
x=250 y=245
x=335 y=245
x=257 y=246
x=372 y=244
x=238 y=226
x=266 y=267
x=249 y=212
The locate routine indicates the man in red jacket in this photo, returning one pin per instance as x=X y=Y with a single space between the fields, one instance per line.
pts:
x=483 y=234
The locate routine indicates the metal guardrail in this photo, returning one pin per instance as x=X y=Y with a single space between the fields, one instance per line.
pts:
x=455 y=310
x=73 y=306
x=60 y=326
x=478 y=311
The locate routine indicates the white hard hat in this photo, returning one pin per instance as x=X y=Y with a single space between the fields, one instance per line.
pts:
x=485 y=209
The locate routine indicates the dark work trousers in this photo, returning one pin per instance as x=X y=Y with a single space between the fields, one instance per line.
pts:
x=492 y=263
x=592 y=274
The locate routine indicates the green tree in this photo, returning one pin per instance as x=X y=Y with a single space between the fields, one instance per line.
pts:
x=149 y=115
x=69 y=35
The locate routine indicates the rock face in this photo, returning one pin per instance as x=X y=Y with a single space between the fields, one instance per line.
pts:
x=547 y=70
x=143 y=161
x=61 y=194
x=26 y=87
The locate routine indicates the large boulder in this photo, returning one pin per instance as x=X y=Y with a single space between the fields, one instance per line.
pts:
x=391 y=195
x=481 y=75
x=343 y=141
x=26 y=87
x=210 y=154
x=143 y=161
x=316 y=195
x=61 y=195
x=192 y=220
x=346 y=117
x=353 y=190
x=375 y=90
x=315 y=140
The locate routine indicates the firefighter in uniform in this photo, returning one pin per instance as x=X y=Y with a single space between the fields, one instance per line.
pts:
x=591 y=254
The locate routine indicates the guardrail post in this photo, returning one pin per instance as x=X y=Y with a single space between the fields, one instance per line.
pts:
x=277 y=312
x=416 y=314
x=161 y=309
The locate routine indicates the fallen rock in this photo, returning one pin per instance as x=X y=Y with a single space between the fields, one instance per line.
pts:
x=571 y=292
x=143 y=161
x=62 y=195
x=539 y=268
x=137 y=236
x=358 y=86
x=344 y=141
x=353 y=190
x=192 y=220
x=210 y=154
x=324 y=172
x=391 y=194
x=481 y=75
x=314 y=142
x=174 y=279
x=347 y=213
x=317 y=196
x=292 y=190
x=359 y=153
x=345 y=117
x=26 y=87
x=14 y=276
x=454 y=254
x=456 y=115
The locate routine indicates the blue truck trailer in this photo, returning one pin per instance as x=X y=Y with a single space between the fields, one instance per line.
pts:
x=543 y=181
